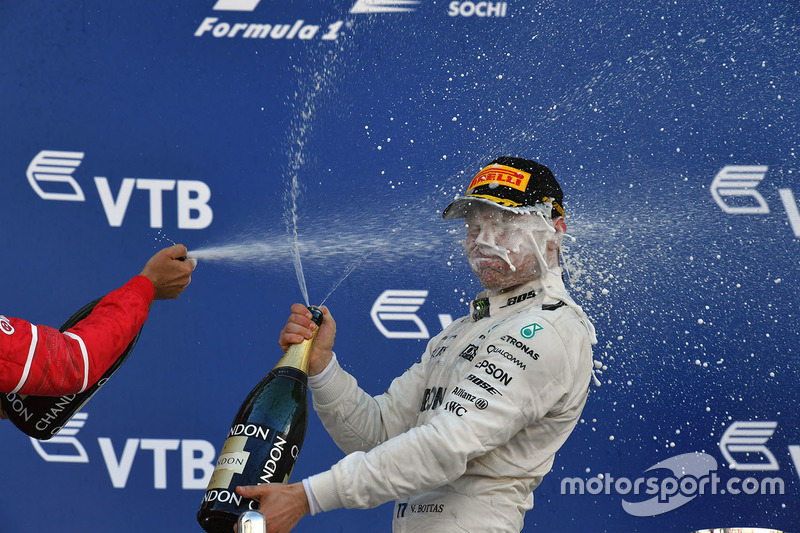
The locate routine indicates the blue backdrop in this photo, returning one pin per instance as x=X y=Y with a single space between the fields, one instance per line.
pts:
x=672 y=127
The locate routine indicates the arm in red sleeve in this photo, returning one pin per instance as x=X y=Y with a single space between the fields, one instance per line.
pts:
x=42 y=361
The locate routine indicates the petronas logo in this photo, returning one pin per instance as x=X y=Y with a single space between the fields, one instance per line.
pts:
x=530 y=330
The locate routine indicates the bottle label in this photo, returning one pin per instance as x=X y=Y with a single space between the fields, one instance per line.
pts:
x=232 y=460
x=261 y=447
x=245 y=453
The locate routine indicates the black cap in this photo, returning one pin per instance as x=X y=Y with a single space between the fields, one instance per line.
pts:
x=510 y=183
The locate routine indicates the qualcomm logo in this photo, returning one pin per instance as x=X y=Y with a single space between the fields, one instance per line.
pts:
x=361 y=6
x=50 y=175
x=196 y=456
x=734 y=190
x=401 y=306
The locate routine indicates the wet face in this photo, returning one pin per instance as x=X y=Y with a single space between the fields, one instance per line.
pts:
x=506 y=249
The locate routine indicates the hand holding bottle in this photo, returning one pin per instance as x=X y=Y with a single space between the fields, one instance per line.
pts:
x=266 y=435
x=300 y=327
x=282 y=505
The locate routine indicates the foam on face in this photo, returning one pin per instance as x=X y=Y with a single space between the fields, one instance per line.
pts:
x=501 y=233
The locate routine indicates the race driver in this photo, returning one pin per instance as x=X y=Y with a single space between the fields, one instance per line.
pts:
x=40 y=360
x=463 y=437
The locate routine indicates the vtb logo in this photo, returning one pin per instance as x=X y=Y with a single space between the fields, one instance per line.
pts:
x=196 y=455
x=749 y=438
x=50 y=175
x=734 y=190
x=400 y=306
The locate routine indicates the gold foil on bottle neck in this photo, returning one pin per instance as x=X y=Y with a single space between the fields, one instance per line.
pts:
x=297 y=356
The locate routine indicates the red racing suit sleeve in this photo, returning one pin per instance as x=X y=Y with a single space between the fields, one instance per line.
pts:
x=42 y=361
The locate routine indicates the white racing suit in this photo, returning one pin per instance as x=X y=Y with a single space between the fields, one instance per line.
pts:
x=462 y=438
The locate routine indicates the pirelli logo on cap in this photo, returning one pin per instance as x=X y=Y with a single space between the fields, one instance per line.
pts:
x=501 y=175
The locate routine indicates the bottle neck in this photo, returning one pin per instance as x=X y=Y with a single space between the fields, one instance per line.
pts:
x=298 y=355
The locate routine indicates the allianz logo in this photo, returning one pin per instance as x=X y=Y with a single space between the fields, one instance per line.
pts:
x=51 y=176
x=734 y=191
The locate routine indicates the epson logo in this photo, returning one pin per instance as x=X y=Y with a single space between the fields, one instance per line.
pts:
x=50 y=175
x=495 y=371
x=734 y=191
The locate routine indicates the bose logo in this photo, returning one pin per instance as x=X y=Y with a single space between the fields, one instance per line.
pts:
x=734 y=190
x=53 y=170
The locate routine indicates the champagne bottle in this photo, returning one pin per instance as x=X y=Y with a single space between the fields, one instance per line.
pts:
x=264 y=440
x=41 y=417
